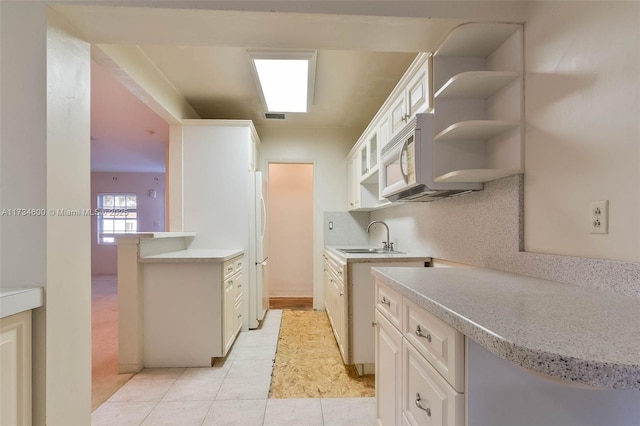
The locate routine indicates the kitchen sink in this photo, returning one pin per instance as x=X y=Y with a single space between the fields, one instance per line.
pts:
x=369 y=250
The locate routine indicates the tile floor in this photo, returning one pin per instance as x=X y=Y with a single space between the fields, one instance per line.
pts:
x=232 y=392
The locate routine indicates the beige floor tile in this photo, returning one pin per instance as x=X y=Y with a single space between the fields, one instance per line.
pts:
x=267 y=352
x=349 y=411
x=180 y=413
x=293 y=412
x=205 y=373
x=194 y=390
x=121 y=413
x=142 y=390
x=250 y=368
x=236 y=413
x=254 y=387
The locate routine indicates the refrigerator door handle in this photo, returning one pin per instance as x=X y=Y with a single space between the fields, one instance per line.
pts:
x=264 y=217
x=264 y=262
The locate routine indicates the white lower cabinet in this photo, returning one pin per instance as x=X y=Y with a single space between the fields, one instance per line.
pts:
x=388 y=371
x=15 y=369
x=427 y=399
x=419 y=365
x=335 y=302
x=192 y=311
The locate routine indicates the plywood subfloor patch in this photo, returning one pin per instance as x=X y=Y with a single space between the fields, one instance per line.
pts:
x=308 y=363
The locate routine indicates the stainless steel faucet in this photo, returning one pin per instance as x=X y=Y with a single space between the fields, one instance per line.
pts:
x=388 y=245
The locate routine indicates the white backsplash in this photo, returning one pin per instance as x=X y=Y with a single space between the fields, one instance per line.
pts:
x=349 y=229
x=483 y=229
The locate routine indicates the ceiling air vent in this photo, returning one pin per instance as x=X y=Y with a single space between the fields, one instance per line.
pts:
x=274 y=115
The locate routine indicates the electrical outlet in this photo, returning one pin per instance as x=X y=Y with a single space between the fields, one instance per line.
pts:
x=599 y=217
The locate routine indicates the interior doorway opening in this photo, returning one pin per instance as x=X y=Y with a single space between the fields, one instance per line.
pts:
x=291 y=235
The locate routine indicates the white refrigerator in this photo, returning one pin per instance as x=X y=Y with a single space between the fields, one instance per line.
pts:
x=259 y=290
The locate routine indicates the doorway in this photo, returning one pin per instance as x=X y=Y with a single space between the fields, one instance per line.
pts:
x=291 y=235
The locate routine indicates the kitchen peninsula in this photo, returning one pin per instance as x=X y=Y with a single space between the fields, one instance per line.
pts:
x=534 y=351
x=192 y=306
x=163 y=286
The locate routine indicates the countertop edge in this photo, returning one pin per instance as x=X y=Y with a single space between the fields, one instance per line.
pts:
x=374 y=257
x=16 y=300
x=193 y=256
x=591 y=373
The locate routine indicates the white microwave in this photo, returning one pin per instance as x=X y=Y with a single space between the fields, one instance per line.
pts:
x=406 y=170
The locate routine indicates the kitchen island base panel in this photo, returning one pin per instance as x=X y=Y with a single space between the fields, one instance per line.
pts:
x=184 y=314
x=501 y=393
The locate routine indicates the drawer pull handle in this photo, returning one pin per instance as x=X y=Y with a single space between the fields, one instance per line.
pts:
x=419 y=334
x=239 y=285
x=385 y=301
x=419 y=405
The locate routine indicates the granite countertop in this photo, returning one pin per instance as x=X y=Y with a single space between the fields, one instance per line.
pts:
x=15 y=300
x=584 y=335
x=193 y=255
x=374 y=257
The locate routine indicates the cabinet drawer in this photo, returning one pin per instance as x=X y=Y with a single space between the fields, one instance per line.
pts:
x=427 y=399
x=439 y=343
x=389 y=303
x=232 y=266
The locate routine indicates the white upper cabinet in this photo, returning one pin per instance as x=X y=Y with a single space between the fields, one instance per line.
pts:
x=411 y=96
x=369 y=156
x=478 y=103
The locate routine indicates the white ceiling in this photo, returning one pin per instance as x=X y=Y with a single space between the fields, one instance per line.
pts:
x=202 y=54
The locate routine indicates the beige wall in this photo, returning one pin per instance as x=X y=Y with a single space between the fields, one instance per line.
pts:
x=582 y=90
x=151 y=211
x=68 y=291
x=290 y=213
x=327 y=149
x=45 y=165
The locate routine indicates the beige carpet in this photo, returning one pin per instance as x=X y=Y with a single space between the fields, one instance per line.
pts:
x=105 y=379
x=308 y=363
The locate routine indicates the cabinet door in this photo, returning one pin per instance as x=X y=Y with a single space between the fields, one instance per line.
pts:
x=15 y=369
x=228 y=315
x=341 y=319
x=397 y=113
x=427 y=399
x=418 y=93
x=383 y=132
x=354 y=182
x=372 y=151
x=388 y=372
x=364 y=160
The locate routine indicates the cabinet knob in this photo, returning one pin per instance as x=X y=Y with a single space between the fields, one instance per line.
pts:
x=239 y=285
x=419 y=334
x=385 y=301
x=373 y=323
x=419 y=405
x=341 y=293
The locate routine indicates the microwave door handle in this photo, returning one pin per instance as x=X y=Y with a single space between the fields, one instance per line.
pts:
x=403 y=151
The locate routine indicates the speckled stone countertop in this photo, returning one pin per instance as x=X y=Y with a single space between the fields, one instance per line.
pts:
x=583 y=335
x=374 y=257
x=193 y=255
